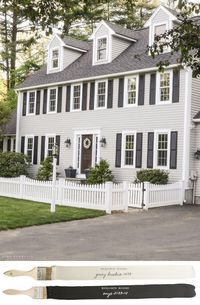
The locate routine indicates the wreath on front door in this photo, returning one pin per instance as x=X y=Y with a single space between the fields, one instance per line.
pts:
x=87 y=143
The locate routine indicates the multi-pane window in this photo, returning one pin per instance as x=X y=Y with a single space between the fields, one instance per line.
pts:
x=76 y=97
x=50 y=146
x=101 y=94
x=129 y=150
x=101 y=48
x=162 y=149
x=160 y=29
x=52 y=100
x=31 y=103
x=55 y=58
x=131 y=91
x=165 y=87
x=29 y=149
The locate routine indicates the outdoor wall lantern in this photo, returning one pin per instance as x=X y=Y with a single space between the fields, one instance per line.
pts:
x=103 y=142
x=68 y=142
x=197 y=154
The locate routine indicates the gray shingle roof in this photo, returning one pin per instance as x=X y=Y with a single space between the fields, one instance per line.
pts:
x=10 y=127
x=80 y=44
x=83 y=68
x=121 y=30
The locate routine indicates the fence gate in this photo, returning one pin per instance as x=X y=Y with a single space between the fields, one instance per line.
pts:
x=135 y=195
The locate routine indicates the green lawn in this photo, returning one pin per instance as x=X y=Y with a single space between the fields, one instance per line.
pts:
x=17 y=213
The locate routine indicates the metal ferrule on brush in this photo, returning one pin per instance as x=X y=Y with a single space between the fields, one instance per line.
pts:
x=40 y=293
x=44 y=273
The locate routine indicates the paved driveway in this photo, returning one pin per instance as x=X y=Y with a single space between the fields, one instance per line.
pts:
x=170 y=233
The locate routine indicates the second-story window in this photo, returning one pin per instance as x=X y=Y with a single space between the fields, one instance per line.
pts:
x=164 y=94
x=76 y=97
x=101 y=94
x=55 y=59
x=101 y=49
x=31 y=102
x=52 y=102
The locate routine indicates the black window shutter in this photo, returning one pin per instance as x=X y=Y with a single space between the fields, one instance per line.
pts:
x=84 y=96
x=138 y=162
x=68 y=97
x=22 y=144
x=141 y=89
x=9 y=145
x=150 y=150
x=58 y=143
x=92 y=87
x=176 y=81
x=38 y=102
x=24 y=103
x=59 y=106
x=121 y=92
x=118 y=150
x=45 y=101
x=110 y=93
x=35 y=153
x=152 y=97
x=173 y=150
x=42 y=148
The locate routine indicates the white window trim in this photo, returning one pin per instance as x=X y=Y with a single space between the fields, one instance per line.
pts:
x=72 y=97
x=108 y=51
x=158 y=101
x=26 y=145
x=126 y=91
x=155 y=159
x=48 y=100
x=28 y=105
x=47 y=136
x=51 y=58
x=168 y=25
x=78 y=133
x=124 y=134
x=107 y=45
x=106 y=94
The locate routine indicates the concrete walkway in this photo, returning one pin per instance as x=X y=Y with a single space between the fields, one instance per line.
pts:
x=170 y=233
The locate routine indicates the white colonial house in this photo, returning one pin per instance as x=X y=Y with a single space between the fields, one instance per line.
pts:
x=105 y=99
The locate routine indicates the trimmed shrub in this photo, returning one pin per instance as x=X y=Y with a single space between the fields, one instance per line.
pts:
x=13 y=164
x=101 y=173
x=155 y=176
x=46 y=170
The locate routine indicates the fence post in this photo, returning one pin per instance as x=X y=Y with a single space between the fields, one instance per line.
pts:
x=146 y=195
x=125 y=196
x=22 y=185
x=61 y=183
x=108 y=196
x=182 y=191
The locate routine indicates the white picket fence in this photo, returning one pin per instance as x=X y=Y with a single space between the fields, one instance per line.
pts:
x=108 y=196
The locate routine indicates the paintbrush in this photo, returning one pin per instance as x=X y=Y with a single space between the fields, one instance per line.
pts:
x=106 y=272
x=108 y=292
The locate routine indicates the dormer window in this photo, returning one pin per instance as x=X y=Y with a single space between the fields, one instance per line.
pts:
x=55 y=59
x=102 y=49
x=160 y=29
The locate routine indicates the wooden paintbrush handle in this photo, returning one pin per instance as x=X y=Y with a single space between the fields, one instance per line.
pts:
x=13 y=273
